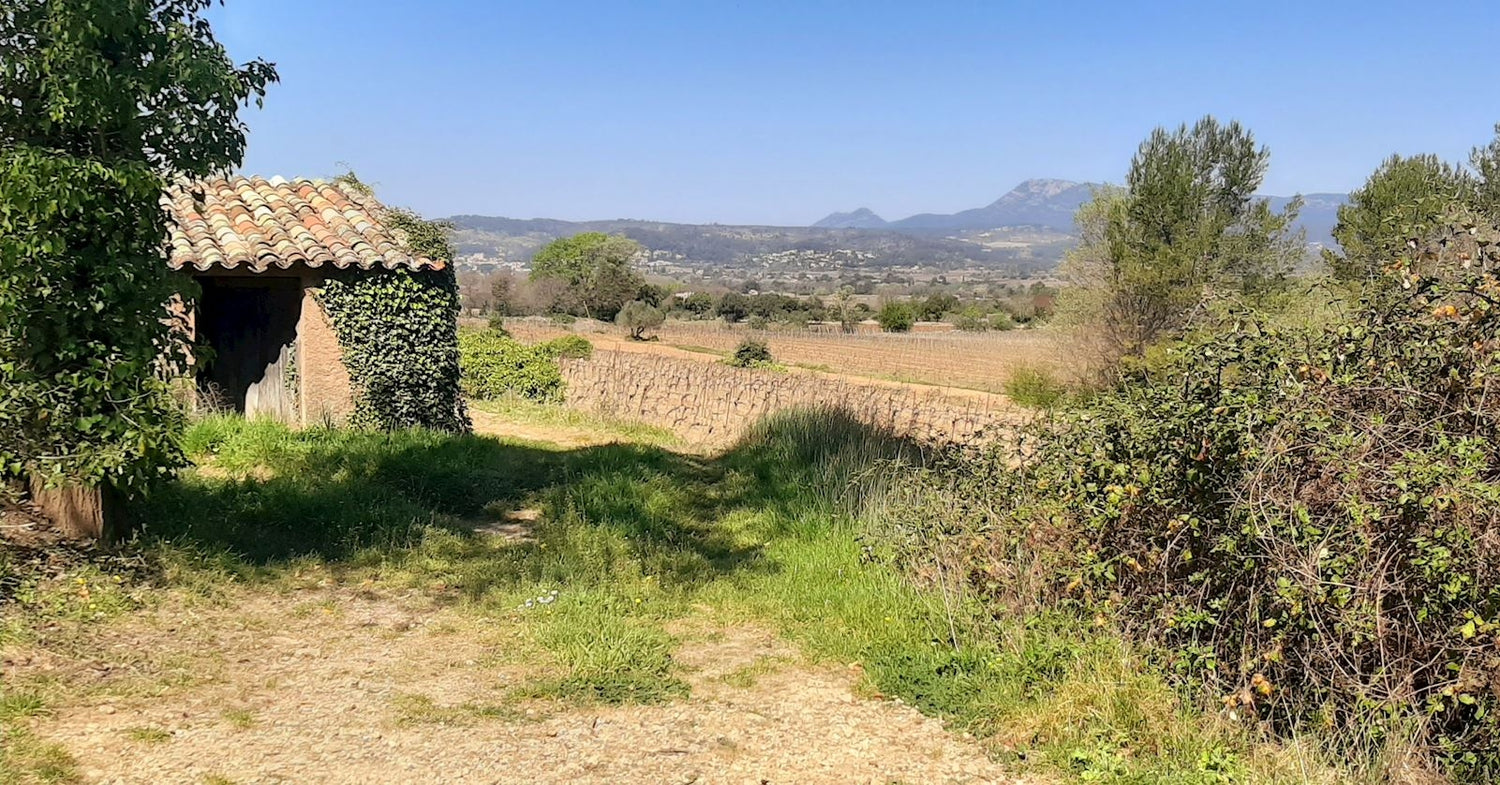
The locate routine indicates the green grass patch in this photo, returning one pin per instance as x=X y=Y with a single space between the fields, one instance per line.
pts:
x=148 y=734
x=24 y=758
x=610 y=650
x=240 y=719
x=687 y=347
x=529 y=412
x=423 y=710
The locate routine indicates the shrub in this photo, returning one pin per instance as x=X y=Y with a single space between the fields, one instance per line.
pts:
x=1035 y=387
x=495 y=365
x=896 y=317
x=1308 y=522
x=751 y=353
x=971 y=320
x=637 y=318
x=573 y=347
x=757 y=323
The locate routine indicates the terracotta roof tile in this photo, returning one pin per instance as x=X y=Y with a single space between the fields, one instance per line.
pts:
x=255 y=224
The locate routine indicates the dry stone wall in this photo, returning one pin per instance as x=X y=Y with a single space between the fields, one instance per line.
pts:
x=713 y=404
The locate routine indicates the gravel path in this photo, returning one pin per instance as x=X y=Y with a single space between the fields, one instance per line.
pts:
x=341 y=686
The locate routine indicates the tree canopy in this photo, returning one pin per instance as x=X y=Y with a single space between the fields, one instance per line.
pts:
x=101 y=102
x=594 y=273
x=1404 y=197
x=1186 y=222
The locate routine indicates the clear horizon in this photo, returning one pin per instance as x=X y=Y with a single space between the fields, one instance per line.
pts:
x=755 y=114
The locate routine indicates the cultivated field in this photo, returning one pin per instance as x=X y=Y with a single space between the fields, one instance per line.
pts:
x=975 y=361
x=712 y=404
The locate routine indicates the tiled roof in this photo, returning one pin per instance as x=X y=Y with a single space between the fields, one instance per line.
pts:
x=250 y=223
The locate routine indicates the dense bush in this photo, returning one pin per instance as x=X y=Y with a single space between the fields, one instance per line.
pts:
x=1035 y=387
x=896 y=317
x=751 y=353
x=1306 y=521
x=495 y=366
x=574 y=347
x=101 y=104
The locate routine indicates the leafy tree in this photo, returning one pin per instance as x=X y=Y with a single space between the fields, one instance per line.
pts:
x=638 y=318
x=733 y=307
x=896 y=317
x=592 y=271
x=101 y=102
x=653 y=295
x=699 y=304
x=971 y=319
x=843 y=309
x=502 y=289
x=1186 y=221
x=1405 y=198
x=936 y=306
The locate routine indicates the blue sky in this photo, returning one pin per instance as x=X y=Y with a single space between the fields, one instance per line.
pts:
x=781 y=112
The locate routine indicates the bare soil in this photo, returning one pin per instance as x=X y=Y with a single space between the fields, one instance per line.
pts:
x=341 y=685
x=964 y=364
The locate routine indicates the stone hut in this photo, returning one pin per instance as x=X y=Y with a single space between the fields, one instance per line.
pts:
x=260 y=249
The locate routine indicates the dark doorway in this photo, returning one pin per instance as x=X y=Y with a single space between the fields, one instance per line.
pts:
x=250 y=324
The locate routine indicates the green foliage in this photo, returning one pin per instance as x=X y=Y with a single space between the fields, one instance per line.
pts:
x=633 y=538
x=399 y=330
x=936 y=306
x=592 y=271
x=1037 y=388
x=399 y=334
x=100 y=103
x=496 y=365
x=896 y=316
x=575 y=347
x=751 y=353
x=638 y=318
x=699 y=304
x=1486 y=164
x=1405 y=198
x=1186 y=221
x=1304 y=519
x=732 y=307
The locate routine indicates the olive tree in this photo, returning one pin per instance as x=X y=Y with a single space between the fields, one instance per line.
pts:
x=638 y=318
x=101 y=102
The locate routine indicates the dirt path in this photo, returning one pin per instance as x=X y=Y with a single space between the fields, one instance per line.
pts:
x=352 y=686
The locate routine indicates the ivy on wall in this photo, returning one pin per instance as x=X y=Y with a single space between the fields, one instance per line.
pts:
x=399 y=333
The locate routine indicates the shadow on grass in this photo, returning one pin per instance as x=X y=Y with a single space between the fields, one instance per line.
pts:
x=264 y=497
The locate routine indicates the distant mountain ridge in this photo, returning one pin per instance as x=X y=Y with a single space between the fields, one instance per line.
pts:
x=1051 y=204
